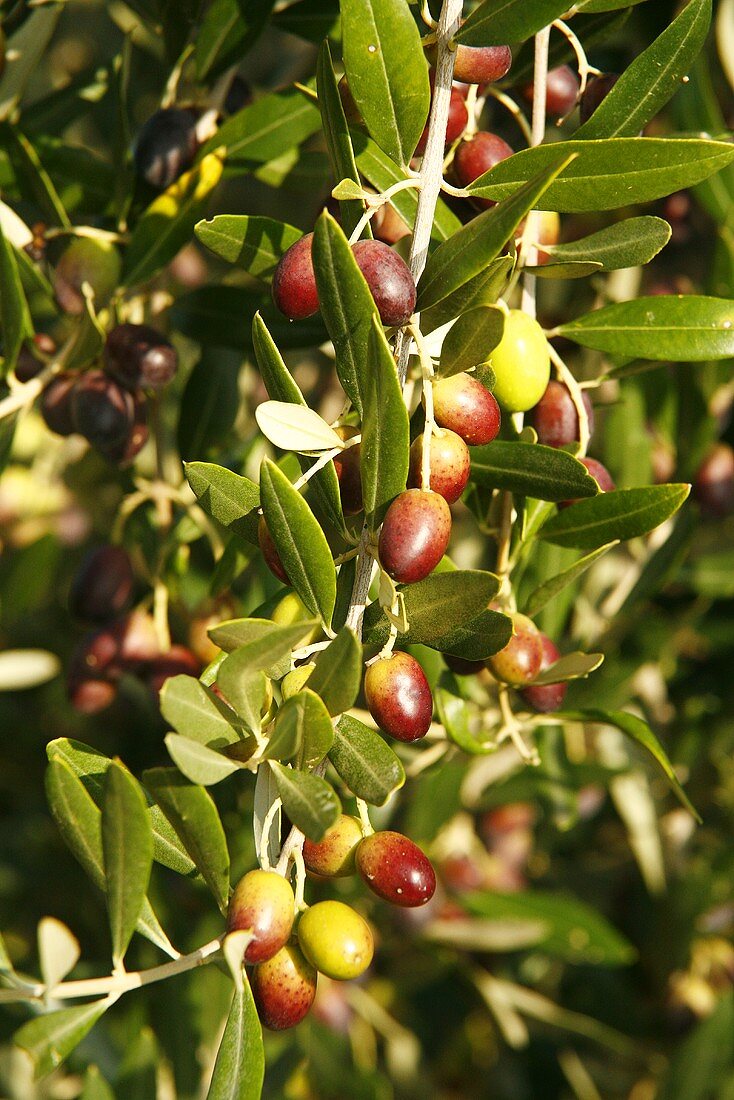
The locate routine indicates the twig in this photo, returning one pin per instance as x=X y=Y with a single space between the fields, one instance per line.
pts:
x=528 y=250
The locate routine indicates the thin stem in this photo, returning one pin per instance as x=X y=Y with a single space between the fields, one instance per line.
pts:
x=515 y=110
x=364 y=818
x=584 y=68
x=325 y=459
x=528 y=250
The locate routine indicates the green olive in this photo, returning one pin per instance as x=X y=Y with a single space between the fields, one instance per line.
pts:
x=336 y=940
x=521 y=363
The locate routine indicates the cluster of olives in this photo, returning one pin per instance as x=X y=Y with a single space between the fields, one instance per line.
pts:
x=100 y=595
x=108 y=406
x=330 y=937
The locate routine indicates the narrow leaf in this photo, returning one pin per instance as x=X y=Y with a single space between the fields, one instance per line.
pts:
x=338 y=672
x=23 y=52
x=497 y=22
x=481 y=290
x=630 y=243
x=15 y=319
x=338 y=141
x=469 y=342
x=309 y=801
x=239 y=1070
x=368 y=765
x=265 y=129
x=305 y=719
x=544 y=593
x=50 y=1039
x=385 y=429
x=252 y=243
x=621 y=514
x=127 y=848
x=531 y=469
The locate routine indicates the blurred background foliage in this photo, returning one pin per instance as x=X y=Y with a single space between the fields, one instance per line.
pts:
x=631 y=993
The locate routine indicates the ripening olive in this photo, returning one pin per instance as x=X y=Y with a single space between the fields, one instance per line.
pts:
x=519 y=662
x=555 y=418
x=124 y=451
x=713 y=485
x=86 y=260
x=293 y=681
x=138 y=355
x=56 y=402
x=28 y=366
x=388 y=276
x=103 y=585
x=336 y=939
x=396 y=869
x=450 y=464
x=270 y=552
x=546 y=697
x=284 y=988
x=456 y=123
x=562 y=88
x=333 y=855
x=294 y=283
x=600 y=475
x=477 y=155
x=165 y=146
x=102 y=411
x=176 y=661
x=399 y=697
x=465 y=406
x=521 y=363
x=414 y=535
x=596 y=90
x=263 y=903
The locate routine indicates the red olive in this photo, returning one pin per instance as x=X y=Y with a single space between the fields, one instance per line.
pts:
x=546 y=697
x=396 y=869
x=519 y=662
x=398 y=696
x=414 y=535
x=284 y=988
x=555 y=418
x=450 y=464
x=294 y=283
x=389 y=279
x=465 y=406
x=262 y=903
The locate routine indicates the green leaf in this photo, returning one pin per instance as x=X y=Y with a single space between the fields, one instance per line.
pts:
x=338 y=672
x=471 y=339
x=197 y=762
x=80 y=824
x=195 y=712
x=127 y=848
x=531 y=469
x=285 y=738
x=300 y=541
x=544 y=593
x=435 y=607
x=245 y=688
x=368 y=765
x=228 y=30
x=265 y=129
x=227 y=497
x=195 y=818
x=571 y=269
x=95 y=1086
x=239 y=1070
x=137 y=1076
x=699 y=110
x=281 y=387
x=630 y=243
x=686 y=328
x=304 y=721
x=309 y=800
x=574 y=931
x=608 y=174
x=572 y=666
x=387 y=72
x=166 y=226
x=58 y=951
x=15 y=318
x=261 y=643
x=252 y=243
x=313 y=20
x=478 y=639
x=338 y=141
x=385 y=429
x=497 y=22
x=23 y=53
x=49 y=1039
x=382 y=173
x=701 y=1064
x=638 y=730
x=91 y=766
x=346 y=304
x=653 y=77
x=467 y=253
x=453 y=714
x=482 y=290
x=620 y=514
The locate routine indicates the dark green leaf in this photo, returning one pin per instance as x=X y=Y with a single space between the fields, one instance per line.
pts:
x=338 y=141
x=166 y=226
x=15 y=318
x=435 y=607
x=702 y=1062
x=639 y=731
x=544 y=593
x=313 y=20
x=254 y=244
x=261 y=643
x=482 y=290
x=346 y=304
x=91 y=766
x=227 y=497
x=385 y=428
x=228 y=30
x=281 y=387
x=653 y=77
x=685 y=328
x=610 y=173
x=304 y=721
x=300 y=541
x=478 y=639
x=497 y=22
x=309 y=800
x=530 y=469
x=220 y=316
x=195 y=712
x=265 y=129
x=629 y=243
x=240 y=1066
x=574 y=931
x=467 y=253
x=471 y=339
x=127 y=848
x=195 y=818
x=197 y=762
x=621 y=514
x=338 y=672
x=23 y=52
x=387 y=72
x=368 y=765
x=50 y=1038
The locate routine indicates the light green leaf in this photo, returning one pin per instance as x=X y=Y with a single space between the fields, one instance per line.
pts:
x=15 y=318
x=295 y=428
x=385 y=429
x=252 y=243
x=469 y=342
x=531 y=469
x=544 y=593
x=453 y=713
x=653 y=77
x=387 y=72
x=95 y=1086
x=368 y=765
x=338 y=672
x=262 y=644
x=300 y=541
x=50 y=1039
x=227 y=497
x=680 y=328
x=309 y=801
x=197 y=762
x=127 y=849
x=58 y=950
x=239 y=1070
x=304 y=721
x=245 y=688
x=265 y=129
x=572 y=666
x=610 y=173
x=195 y=818
x=195 y=712
x=435 y=607
x=620 y=514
